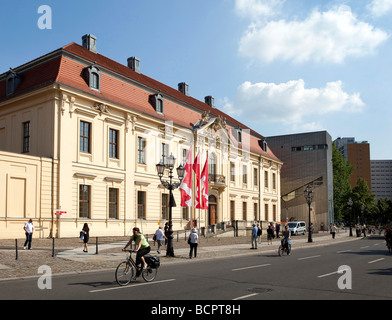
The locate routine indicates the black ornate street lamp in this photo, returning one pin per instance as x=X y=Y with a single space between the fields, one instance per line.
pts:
x=171 y=186
x=350 y=206
x=308 y=194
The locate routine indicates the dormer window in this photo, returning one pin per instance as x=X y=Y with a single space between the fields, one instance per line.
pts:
x=157 y=102
x=93 y=77
x=12 y=81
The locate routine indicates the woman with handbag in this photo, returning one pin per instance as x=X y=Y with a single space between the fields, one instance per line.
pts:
x=86 y=234
x=193 y=241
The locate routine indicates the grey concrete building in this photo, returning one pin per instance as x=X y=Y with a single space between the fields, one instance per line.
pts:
x=307 y=159
x=381 y=175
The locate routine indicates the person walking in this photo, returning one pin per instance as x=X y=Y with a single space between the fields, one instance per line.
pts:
x=277 y=229
x=259 y=233
x=159 y=236
x=333 y=230
x=270 y=233
x=193 y=241
x=86 y=236
x=254 y=236
x=28 y=228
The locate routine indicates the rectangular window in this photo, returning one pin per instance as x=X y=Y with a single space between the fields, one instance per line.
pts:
x=266 y=179
x=113 y=203
x=274 y=181
x=141 y=146
x=185 y=213
x=164 y=153
x=165 y=206
x=85 y=133
x=244 y=213
x=232 y=171
x=141 y=205
x=255 y=211
x=245 y=174
x=84 y=201
x=266 y=215
x=255 y=179
x=113 y=143
x=160 y=106
x=26 y=137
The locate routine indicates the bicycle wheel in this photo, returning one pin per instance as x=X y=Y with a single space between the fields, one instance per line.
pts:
x=124 y=273
x=149 y=274
x=280 y=250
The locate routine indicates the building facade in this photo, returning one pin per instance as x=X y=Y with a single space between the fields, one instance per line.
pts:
x=95 y=129
x=307 y=159
x=381 y=173
x=358 y=155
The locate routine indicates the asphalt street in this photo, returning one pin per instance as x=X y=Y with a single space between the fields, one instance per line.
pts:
x=307 y=274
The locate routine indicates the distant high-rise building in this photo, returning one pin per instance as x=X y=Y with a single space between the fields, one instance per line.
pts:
x=358 y=155
x=381 y=172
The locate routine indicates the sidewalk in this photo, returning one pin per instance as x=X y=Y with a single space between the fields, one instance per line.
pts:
x=74 y=260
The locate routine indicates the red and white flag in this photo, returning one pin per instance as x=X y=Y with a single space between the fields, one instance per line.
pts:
x=196 y=168
x=186 y=184
x=204 y=186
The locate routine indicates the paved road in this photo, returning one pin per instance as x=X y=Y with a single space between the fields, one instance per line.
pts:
x=306 y=274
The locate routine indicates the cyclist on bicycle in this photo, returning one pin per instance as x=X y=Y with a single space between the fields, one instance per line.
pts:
x=286 y=237
x=142 y=247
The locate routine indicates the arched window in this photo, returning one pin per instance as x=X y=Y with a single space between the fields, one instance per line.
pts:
x=95 y=81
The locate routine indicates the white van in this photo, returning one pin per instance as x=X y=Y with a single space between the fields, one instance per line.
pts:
x=297 y=227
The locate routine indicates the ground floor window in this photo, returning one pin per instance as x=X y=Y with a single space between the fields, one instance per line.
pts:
x=84 y=201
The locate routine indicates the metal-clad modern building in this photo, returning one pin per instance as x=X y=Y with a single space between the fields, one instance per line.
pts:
x=307 y=159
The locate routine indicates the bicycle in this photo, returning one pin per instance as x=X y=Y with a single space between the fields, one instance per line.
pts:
x=286 y=248
x=127 y=270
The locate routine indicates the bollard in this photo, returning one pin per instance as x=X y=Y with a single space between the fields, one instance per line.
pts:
x=96 y=245
x=53 y=247
x=16 y=249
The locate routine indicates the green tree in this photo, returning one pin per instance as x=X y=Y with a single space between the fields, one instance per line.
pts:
x=341 y=186
x=364 y=203
x=384 y=211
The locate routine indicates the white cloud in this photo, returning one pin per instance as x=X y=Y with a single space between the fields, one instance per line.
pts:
x=325 y=37
x=291 y=103
x=256 y=9
x=379 y=8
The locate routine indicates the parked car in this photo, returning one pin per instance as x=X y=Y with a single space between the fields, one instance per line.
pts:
x=297 y=227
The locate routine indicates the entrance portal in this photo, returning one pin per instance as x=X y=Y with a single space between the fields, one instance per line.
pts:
x=212 y=206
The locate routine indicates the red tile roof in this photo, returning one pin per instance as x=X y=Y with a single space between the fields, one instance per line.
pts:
x=66 y=69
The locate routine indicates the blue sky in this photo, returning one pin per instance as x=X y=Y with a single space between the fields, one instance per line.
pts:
x=278 y=66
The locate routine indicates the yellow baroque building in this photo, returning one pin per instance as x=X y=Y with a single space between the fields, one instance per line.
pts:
x=82 y=134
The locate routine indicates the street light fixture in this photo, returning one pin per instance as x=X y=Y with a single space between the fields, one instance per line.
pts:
x=308 y=194
x=170 y=186
x=350 y=205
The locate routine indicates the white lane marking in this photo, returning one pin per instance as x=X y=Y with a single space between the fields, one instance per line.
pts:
x=252 y=267
x=343 y=251
x=376 y=260
x=365 y=247
x=309 y=257
x=328 y=274
x=133 y=285
x=248 y=296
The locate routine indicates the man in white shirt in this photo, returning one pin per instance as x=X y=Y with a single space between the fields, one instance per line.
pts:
x=159 y=236
x=29 y=227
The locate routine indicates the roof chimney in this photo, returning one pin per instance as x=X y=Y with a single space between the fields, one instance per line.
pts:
x=134 y=64
x=184 y=88
x=90 y=42
x=210 y=101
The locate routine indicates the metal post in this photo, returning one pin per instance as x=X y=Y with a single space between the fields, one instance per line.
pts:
x=96 y=245
x=53 y=247
x=16 y=249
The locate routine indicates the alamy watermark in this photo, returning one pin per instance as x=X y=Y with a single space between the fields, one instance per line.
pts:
x=45 y=281
x=45 y=20
x=345 y=281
